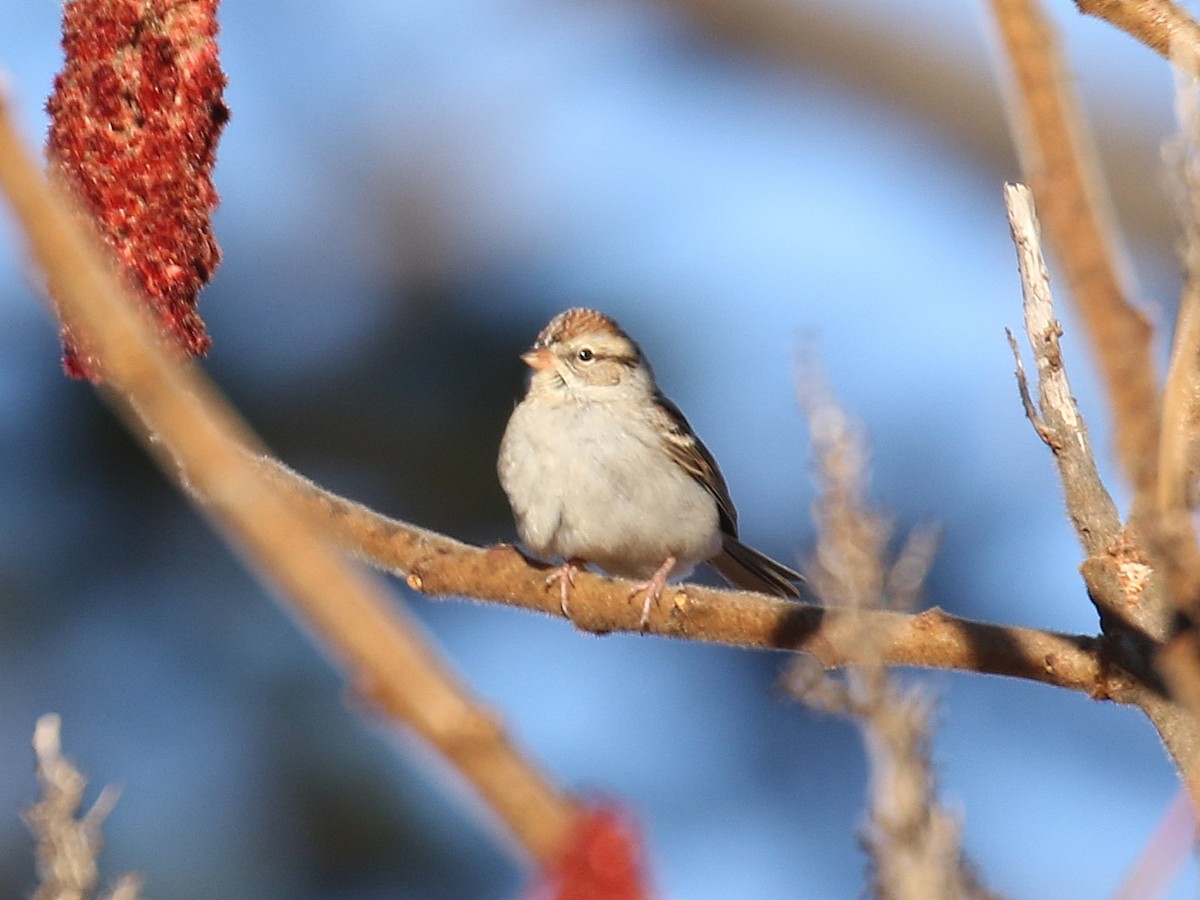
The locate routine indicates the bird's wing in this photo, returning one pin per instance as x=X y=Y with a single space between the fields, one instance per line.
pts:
x=689 y=451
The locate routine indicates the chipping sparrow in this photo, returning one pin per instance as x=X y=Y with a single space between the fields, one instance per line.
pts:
x=599 y=467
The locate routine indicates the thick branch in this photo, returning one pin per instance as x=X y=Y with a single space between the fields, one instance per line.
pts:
x=441 y=566
x=200 y=440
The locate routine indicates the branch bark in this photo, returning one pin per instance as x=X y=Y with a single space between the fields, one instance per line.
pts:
x=1153 y=22
x=443 y=567
x=1060 y=425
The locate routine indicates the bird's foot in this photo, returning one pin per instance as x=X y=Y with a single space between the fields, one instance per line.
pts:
x=565 y=576
x=653 y=587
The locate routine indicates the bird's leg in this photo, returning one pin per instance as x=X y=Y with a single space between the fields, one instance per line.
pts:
x=565 y=576
x=653 y=588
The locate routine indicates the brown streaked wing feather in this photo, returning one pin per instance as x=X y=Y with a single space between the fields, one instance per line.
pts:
x=689 y=451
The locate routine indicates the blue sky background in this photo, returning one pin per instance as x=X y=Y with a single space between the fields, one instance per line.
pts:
x=409 y=191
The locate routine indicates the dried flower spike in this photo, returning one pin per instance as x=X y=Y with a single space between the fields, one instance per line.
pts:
x=135 y=116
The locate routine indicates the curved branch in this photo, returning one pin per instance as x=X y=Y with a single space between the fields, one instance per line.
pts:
x=198 y=439
x=1153 y=22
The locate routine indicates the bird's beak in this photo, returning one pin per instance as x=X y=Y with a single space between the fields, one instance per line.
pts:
x=538 y=360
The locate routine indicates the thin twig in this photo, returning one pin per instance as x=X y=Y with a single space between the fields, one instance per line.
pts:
x=1062 y=427
x=1165 y=854
x=905 y=581
x=1031 y=410
x=1060 y=166
x=1117 y=571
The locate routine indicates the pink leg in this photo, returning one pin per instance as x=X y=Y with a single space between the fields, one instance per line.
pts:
x=653 y=588
x=565 y=576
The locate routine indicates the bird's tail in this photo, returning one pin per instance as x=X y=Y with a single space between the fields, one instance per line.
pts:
x=745 y=567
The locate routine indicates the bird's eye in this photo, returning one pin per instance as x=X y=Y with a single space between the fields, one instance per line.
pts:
x=586 y=355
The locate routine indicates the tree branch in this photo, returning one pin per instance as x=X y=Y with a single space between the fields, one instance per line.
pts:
x=1153 y=22
x=442 y=567
x=1060 y=167
x=198 y=439
x=1060 y=425
x=1117 y=570
x=1134 y=613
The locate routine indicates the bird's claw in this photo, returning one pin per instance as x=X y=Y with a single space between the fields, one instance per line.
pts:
x=653 y=587
x=565 y=576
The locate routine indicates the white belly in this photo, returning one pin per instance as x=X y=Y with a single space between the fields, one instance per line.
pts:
x=588 y=481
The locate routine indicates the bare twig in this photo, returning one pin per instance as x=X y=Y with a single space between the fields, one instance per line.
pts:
x=1061 y=426
x=905 y=581
x=1153 y=22
x=1117 y=570
x=198 y=439
x=128 y=887
x=1031 y=410
x=1063 y=173
x=68 y=844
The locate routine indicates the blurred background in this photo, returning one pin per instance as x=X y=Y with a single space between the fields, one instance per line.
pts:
x=410 y=190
